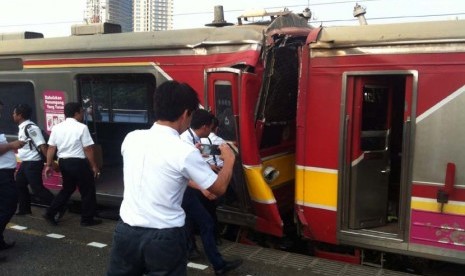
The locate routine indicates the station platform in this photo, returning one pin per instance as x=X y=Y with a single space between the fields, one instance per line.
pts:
x=260 y=261
x=257 y=261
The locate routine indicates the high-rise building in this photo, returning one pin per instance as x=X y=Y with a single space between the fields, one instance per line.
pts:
x=111 y=11
x=153 y=15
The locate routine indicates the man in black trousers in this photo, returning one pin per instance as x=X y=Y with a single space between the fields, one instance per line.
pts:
x=32 y=163
x=8 y=189
x=77 y=164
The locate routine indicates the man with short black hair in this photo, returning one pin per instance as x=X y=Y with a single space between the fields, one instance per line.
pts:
x=77 y=164
x=151 y=239
x=8 y=189
x=30 y=171
x=198 y=203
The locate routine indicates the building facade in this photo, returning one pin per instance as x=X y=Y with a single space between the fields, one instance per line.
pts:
x=152 y=15
x=111 y=11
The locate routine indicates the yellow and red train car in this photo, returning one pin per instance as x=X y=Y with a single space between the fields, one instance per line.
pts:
x=356 y=132
x=239 y=73
x=380 y=161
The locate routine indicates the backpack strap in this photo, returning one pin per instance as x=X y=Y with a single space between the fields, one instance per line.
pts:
x=31 y=141
x=192 y=135
x=28 y=136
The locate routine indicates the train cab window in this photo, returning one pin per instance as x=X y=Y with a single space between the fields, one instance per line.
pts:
x=118 y=98
x=224 y=111
x=277 y=106
x=11 y=94
x=374 y=118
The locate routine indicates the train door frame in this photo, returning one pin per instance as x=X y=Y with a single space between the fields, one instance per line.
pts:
x=236 y=204
x=395 y=238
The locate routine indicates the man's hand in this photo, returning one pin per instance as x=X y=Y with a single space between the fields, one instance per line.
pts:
x=215 y=168
x=96 y=171
x=48 y=171
x=17 y=144
x=227 y=153
x=208 y=195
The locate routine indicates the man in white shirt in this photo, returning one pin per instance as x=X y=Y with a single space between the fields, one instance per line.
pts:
x=32 y=163
x=199 y=204
x=213 y=139
x=8 y=189
x=77 y=165
x=151 y=238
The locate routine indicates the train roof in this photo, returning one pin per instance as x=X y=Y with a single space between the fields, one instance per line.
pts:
x=251 y=34
x=384 y=34
x=172 y=39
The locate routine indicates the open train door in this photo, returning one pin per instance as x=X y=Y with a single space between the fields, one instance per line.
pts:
x=374 y=161
x=223 y=87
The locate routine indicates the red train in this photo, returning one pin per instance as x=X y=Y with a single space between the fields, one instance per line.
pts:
x=354 y=132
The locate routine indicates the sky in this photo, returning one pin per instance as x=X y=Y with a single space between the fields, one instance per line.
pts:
x=55 y=17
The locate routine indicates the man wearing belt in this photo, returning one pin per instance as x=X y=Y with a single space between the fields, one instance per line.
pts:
x=30 y=171
x=8 y=189
x=151 y=238
x=77 y=164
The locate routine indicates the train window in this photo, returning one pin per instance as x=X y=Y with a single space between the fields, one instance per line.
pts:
x=224 y=111
x=374 y=108
x=12 y=93
x=119 y=98
x=277 y=107
x=374 y=118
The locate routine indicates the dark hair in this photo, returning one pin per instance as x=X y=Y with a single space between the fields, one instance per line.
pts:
x=71 y=109
x=24 y=110
x=1 y=103
x=200 y=118
x=172 y=98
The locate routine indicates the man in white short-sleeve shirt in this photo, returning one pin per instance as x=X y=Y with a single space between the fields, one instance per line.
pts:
x=151 y=238
x=32 y=163
x=74 y=146
x=8 y=189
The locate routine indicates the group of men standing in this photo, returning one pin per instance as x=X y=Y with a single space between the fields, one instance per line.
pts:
x=73 y=144
x=159 y=164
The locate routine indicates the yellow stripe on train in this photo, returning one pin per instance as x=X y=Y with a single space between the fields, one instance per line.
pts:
x=429 y=204
x=316 y=186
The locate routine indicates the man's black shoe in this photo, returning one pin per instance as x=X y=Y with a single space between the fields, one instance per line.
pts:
x=91 y=222
x=50 y=219
x=60 y=213
x=228 y=266
x=22 y=213
x=6 y=245
x=193 y=254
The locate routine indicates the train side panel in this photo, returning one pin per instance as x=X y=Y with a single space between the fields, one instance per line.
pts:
x=380 y=162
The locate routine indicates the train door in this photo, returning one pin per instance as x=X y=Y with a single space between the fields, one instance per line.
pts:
x=223 y=87
x=376 y=146
x=115 y=104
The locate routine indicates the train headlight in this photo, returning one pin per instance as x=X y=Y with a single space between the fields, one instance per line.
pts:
x=270 y=174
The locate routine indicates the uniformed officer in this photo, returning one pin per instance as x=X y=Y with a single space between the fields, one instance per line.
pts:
x=77 y=164
x=8 y=189
x=30 y=171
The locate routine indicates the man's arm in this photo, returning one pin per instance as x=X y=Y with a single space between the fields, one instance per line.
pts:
x=89 y=152
x=49 y=163
x=11 y=146
x=43 y=148
x=224 y=176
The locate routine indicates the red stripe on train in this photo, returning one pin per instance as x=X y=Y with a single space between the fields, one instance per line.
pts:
x=430 y=191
